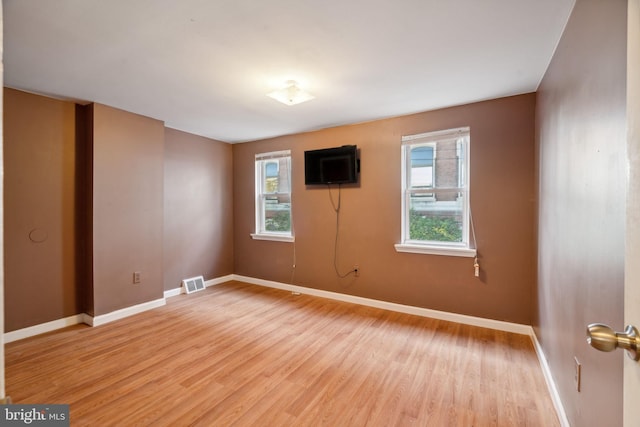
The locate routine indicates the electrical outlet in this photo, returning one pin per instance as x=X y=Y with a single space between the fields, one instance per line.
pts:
x=356 y=270
x=136 y=277
x=577 y=373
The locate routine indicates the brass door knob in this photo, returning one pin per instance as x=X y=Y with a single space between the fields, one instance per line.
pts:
x=603 y=338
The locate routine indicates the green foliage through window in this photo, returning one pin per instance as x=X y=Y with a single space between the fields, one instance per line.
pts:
x=281 y=221
x=432 y=228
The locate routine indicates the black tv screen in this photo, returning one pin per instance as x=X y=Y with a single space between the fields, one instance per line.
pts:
x=337 y=165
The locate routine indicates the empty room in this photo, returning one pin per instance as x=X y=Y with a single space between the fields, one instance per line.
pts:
x=320 y=213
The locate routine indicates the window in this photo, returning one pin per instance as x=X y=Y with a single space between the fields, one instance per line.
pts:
x=273 y=196
x=435 y=193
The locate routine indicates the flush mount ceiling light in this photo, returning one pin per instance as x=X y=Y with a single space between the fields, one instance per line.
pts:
x=291 y=94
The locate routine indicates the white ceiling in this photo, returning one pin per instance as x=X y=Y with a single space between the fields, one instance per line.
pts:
x=205 y=66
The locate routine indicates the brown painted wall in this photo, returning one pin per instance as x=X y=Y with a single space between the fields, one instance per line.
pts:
x=93 y=178
x=39 y=208
x=502 y=186
x=198 y=214
x=582 y=184
x=128 y=177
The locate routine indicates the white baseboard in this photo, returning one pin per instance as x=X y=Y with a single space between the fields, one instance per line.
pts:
x=42 y=328
x=212 y=282
x=81 y=318
x=220 y=280
x=408 y=309
x=551 y=384
x=104 y=318
x=128 y=311
x=123 y=312
x=174 y=292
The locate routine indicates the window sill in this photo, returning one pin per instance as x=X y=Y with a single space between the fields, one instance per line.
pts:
x=273 y=237
x=435 y=250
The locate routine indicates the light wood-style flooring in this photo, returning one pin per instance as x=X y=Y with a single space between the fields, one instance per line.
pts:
x=243 y=355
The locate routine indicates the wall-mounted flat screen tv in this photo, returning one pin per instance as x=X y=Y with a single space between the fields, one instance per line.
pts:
x=339 y=165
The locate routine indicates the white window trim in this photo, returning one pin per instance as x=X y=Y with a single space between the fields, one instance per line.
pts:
x=274 y=237
x=259 y=208
x=462 y=249
x=430 y=249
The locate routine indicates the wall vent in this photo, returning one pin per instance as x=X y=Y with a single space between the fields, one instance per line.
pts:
x=193 y=284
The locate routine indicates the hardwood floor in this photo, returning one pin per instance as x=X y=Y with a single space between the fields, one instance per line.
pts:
x=243 y=355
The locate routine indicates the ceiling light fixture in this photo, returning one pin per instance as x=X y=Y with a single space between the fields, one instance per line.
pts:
x=291 y=94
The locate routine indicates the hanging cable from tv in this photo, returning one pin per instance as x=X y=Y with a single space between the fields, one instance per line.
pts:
x=337 y=208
